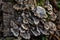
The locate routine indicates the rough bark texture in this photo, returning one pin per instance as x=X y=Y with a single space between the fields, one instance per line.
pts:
x=25 y=20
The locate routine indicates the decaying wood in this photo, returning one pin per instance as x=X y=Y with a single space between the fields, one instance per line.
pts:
x=17 y=7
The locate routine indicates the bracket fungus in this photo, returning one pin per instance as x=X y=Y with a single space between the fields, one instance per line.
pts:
x=26 y=19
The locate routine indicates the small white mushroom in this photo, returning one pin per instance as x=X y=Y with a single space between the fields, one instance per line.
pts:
x=16 y=7
x=36 y=21
x=44 y=32
x=21 y=30
x=49 y=7
x=46 y=26
x=40 y=12
x=15 y=33
x=52 y=26
x=53 y=17
x=35 y=31
x=25 y=21
x=32 y=8
x=24 y=26
x=25 y=35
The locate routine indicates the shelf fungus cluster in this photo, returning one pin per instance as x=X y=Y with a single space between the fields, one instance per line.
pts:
x=24 y=20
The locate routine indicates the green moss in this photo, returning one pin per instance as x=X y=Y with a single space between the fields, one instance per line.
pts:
x=58 y=6
x=58 y=2
x=40 y=2
x=44 y=37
